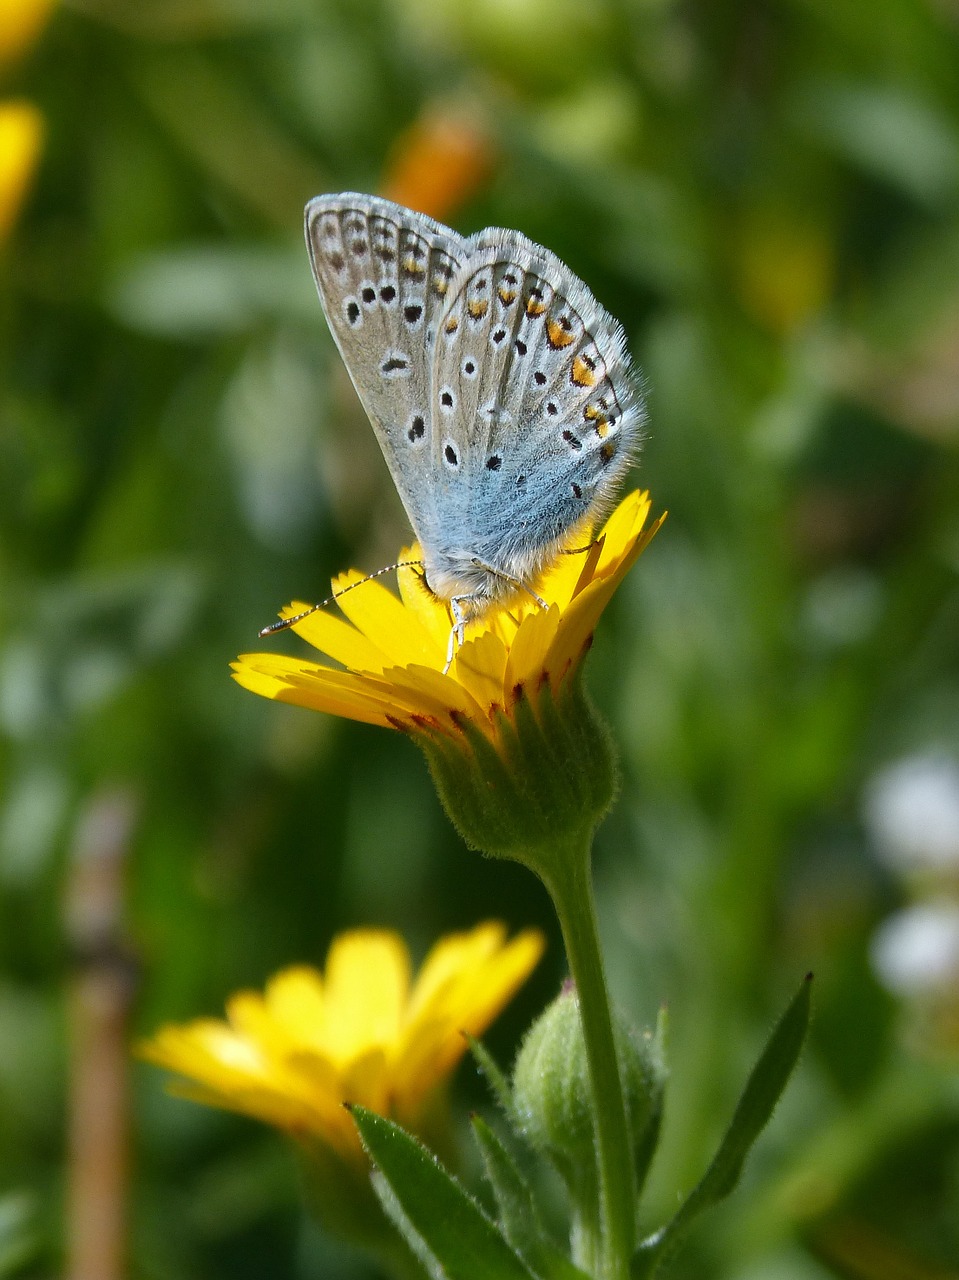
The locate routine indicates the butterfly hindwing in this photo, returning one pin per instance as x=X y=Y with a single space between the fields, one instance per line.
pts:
x=534 y=404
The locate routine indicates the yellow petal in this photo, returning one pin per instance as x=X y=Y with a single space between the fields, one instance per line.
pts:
x=480 y=665
x=367 y=980
x=295 y=1003
x=451 y=955
x=378 y=613
x=339 y=640
x=432 y=614
x=463 y=986
x=529 y=654
x=340 y=693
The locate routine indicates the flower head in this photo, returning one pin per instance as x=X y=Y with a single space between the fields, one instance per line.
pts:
x=359 y=1032
x=394 y=651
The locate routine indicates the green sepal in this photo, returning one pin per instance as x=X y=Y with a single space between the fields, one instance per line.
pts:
x=442 y=1224
x=763 y=1090
x=652 y=1063
x=518 y=1214
x=491 y=1071
x=548 y=769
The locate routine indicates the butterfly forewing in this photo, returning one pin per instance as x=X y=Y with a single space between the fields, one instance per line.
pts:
x=383 y=273
x=534 y=404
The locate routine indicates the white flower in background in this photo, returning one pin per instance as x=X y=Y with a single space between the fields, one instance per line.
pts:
x=916 y=951
x=911 y=810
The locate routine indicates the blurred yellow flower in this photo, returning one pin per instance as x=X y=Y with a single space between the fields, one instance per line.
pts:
x=359 y=1032
x=21 y=136
x=395 y=650
x=20 y=24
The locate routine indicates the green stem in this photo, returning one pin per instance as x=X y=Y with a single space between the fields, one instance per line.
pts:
x=569 y=882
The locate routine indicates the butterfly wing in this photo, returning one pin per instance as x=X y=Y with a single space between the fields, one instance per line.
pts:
x=536 y=412
x=382 y=273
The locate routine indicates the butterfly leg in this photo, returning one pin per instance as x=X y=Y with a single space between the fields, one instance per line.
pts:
x=458 y=630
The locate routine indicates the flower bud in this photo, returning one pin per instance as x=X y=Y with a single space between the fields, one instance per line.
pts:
x=552 y=1099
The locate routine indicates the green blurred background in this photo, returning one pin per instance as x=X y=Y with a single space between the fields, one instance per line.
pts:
x=767 y=197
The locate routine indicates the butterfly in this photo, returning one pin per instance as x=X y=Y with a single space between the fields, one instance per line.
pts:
x=501 y=392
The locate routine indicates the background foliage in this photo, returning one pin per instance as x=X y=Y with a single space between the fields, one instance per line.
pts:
x=767 y=196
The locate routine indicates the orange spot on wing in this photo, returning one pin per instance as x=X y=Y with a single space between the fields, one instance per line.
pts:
x=558 y=335
x=592 y=413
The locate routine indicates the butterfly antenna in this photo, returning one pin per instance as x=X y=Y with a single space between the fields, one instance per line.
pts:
x=291 y=622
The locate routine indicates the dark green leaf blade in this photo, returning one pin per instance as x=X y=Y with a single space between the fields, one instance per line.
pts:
x=756 y=1105
x=517 y=1209
x=446 y=1220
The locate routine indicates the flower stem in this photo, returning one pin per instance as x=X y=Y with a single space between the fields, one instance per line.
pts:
x=569 y=882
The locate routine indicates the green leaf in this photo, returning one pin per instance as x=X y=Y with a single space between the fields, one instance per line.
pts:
x=438 y=1218
x=763 y=1090
x=517 y=1209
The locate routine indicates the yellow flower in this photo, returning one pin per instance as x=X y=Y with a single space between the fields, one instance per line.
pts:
x=21 y=135
x=394 y=650
x=360 y=1032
